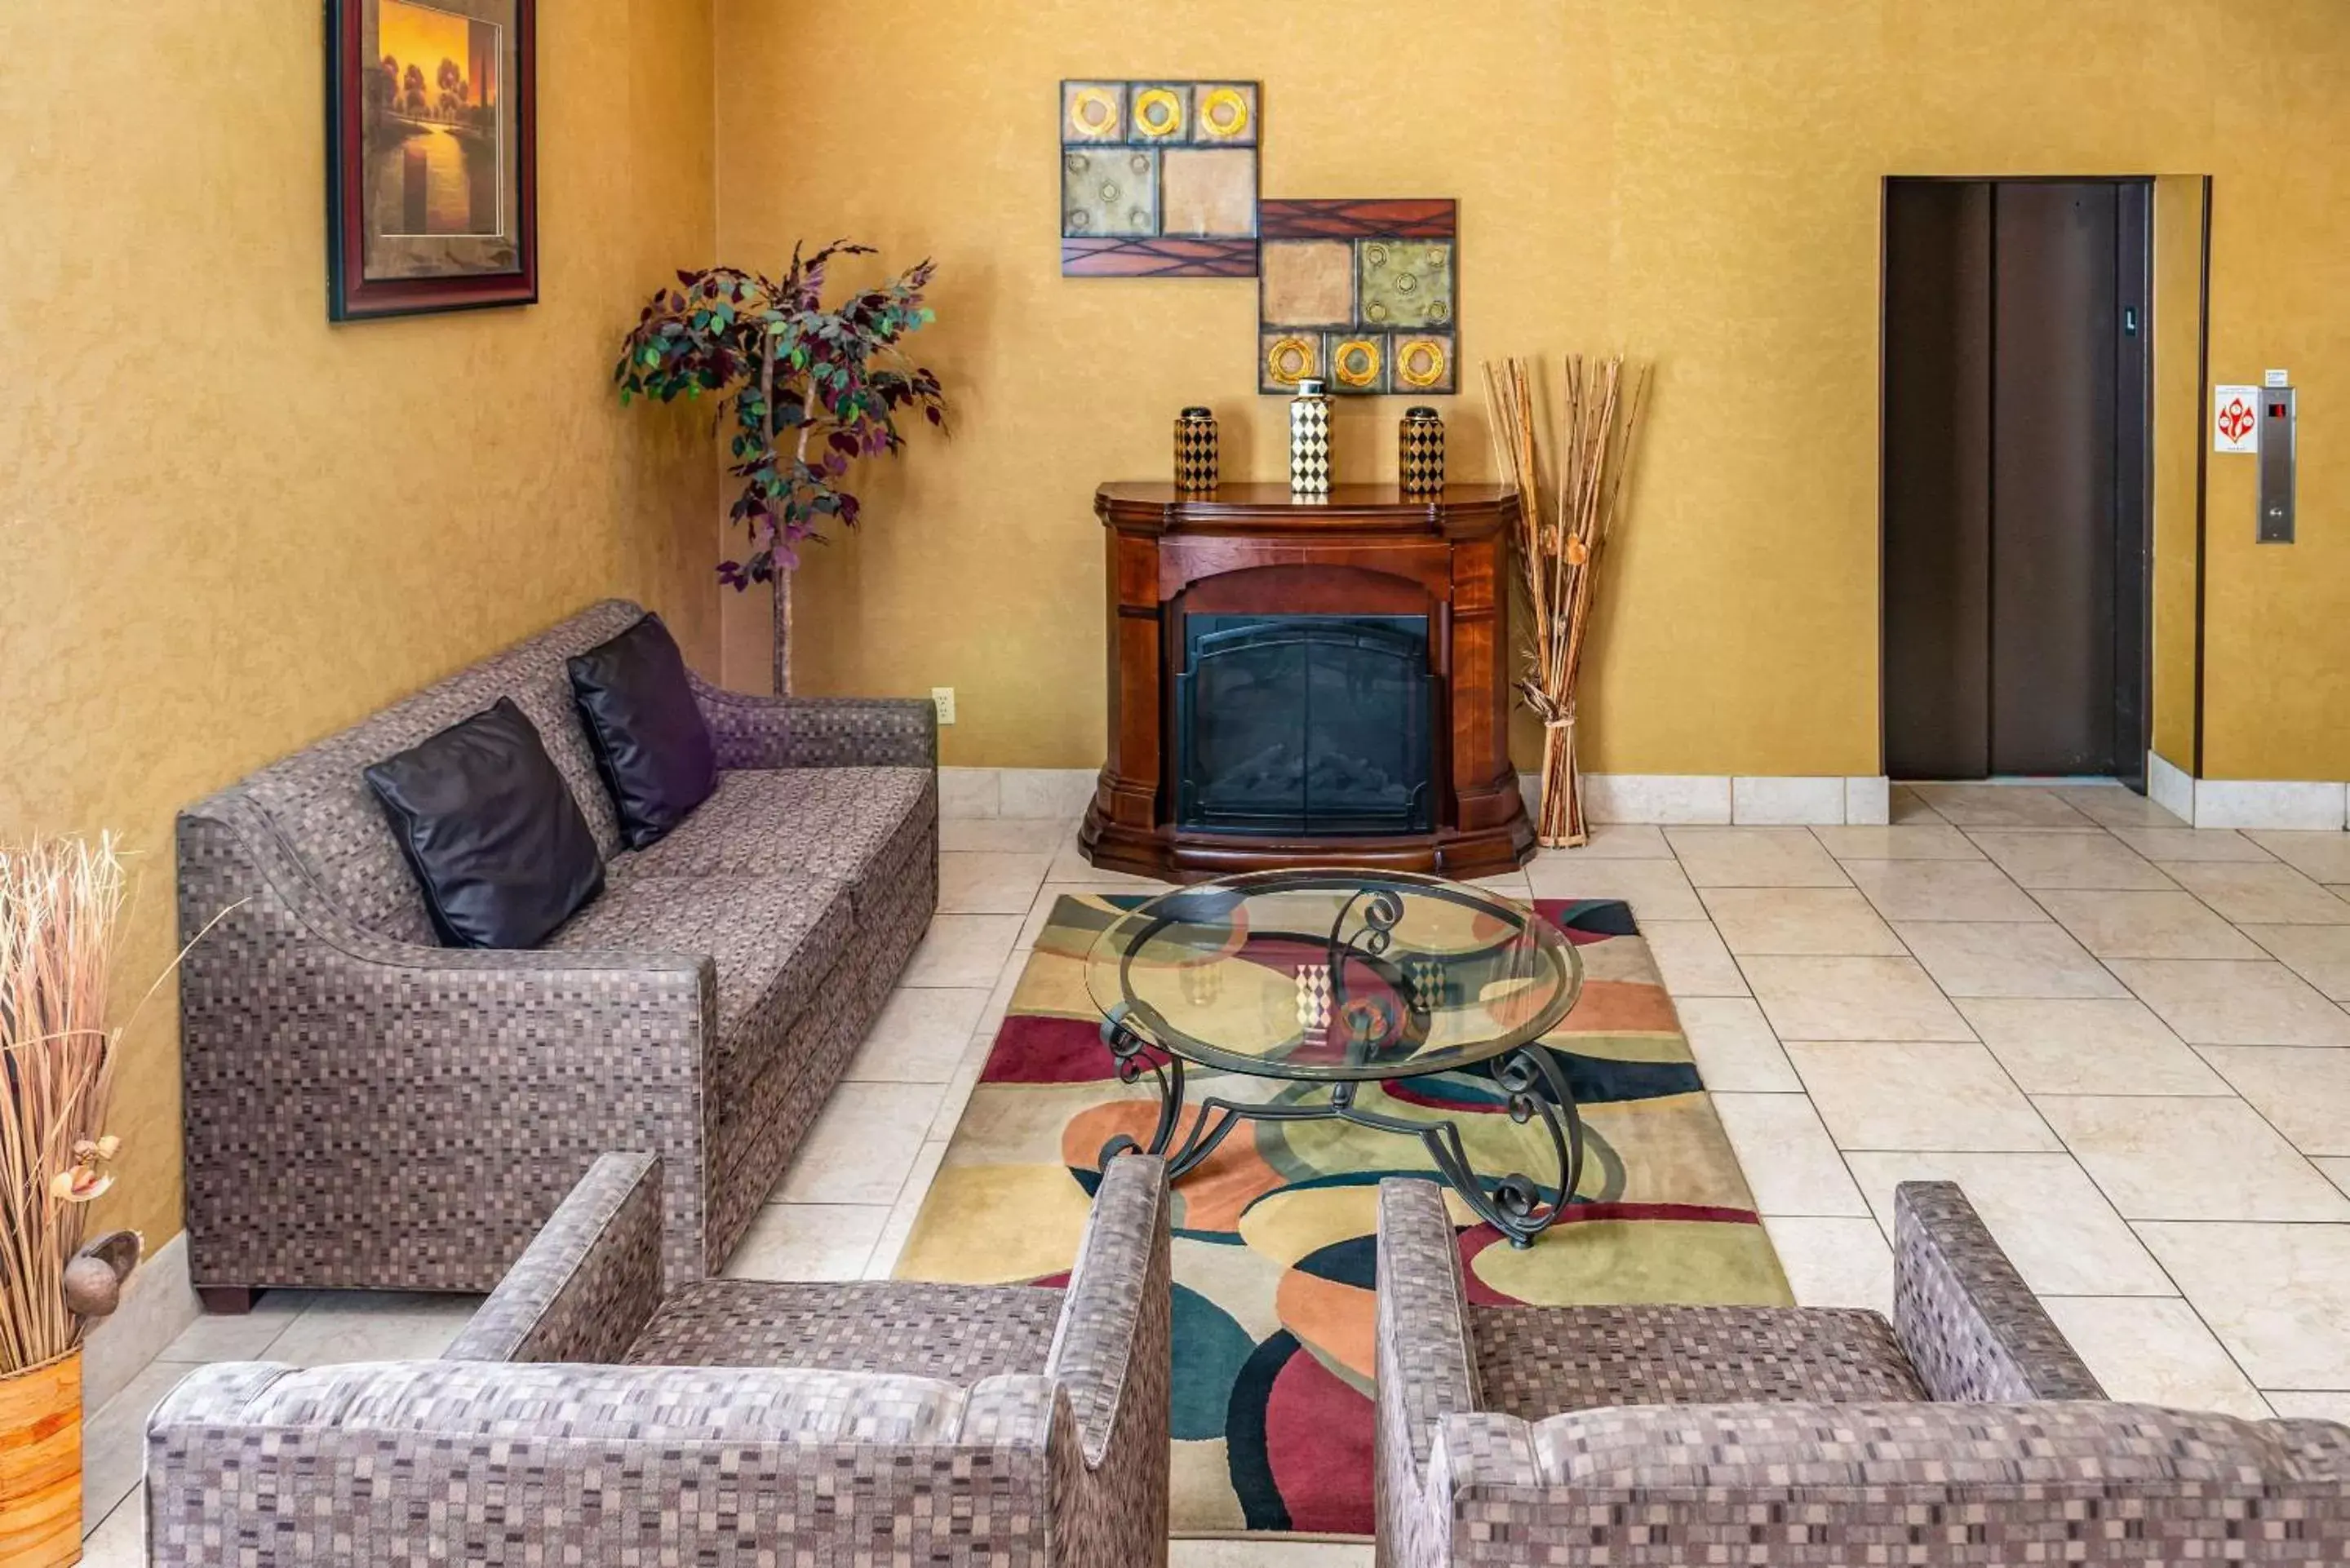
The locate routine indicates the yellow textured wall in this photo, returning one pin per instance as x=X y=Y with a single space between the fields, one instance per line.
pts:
x=2180 y=416
x=1699 y=183
x=230 y=528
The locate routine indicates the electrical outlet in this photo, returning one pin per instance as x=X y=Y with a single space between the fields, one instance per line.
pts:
x=943 y=696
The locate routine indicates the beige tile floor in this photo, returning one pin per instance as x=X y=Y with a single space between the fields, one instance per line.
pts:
x=2121 y=1035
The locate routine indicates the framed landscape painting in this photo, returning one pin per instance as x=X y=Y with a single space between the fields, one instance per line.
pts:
x=432 y=156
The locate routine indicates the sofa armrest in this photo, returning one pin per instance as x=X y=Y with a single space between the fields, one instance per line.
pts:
x=367 y=1113
x=1969 y=1322
x=585 y=1289
x=755 y=732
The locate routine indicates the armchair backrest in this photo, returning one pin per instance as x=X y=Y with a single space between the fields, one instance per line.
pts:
x=386 y=1465
x=2028 y=1483
x=319 y=806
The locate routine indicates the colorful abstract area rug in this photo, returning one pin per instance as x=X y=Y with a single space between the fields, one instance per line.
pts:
x=1276 y=1233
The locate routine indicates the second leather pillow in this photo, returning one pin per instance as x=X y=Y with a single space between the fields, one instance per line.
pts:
x=652 y=744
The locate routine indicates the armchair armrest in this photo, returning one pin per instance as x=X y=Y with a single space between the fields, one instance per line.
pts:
x=1426 y=1377
x=1112 y=1349
x=1969 y=1322
x=585 y=1289
x=1427 y=1370
x=362 y=1112
x=755 y=732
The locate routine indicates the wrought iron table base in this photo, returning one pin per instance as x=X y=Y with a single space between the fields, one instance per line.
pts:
x=1511 y=1204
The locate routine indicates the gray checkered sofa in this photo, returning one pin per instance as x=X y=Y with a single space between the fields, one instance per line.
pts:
x=364 y=1108
x=586 y=1418
x=1964 y=1432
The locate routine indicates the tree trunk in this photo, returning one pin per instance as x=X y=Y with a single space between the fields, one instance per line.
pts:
x=782 y=579
x=784 y=634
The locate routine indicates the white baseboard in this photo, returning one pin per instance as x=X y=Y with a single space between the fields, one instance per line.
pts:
x=1748 y=800
x=1015 y=792
x=2314 y=805
x=2270 y=803
x=1781 y=801
x=2171 y=787
x=158 y=1305
x=1721 y=799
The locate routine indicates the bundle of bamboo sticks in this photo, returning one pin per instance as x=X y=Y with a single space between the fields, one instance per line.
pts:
x=1570 y=475
x=60 y=903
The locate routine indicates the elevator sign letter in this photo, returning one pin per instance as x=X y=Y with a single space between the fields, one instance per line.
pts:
x=2235 y=418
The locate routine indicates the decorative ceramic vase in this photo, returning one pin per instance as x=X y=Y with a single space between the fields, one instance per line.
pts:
x=40 y=1464
x=1195 y=452
x=1420 y=458
x=1309 y=439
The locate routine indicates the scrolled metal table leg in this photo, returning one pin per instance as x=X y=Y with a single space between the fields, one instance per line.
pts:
x=1126 y=1047
x=1515 y=1206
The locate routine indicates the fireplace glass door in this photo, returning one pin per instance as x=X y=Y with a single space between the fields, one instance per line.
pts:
x=1305 y=724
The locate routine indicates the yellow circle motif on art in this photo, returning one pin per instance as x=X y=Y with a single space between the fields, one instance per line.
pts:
x=1093 y=111
x=1421 y=365
x=1225 y=113
x=1289 y=360
x=1358 y=363
x=1158 y=112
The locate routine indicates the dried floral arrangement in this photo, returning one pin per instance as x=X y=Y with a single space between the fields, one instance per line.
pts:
x=1570 y=474
x=810 y=389
x=60 y=901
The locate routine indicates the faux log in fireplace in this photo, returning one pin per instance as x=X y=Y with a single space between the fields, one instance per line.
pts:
x=1306 y=681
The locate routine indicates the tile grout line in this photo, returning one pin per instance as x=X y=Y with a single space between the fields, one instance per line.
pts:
x=1746 y=979
x=2192 y=1306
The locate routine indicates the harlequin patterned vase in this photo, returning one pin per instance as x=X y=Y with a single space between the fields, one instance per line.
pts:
x=1195 y=452
x=1419 y=457
x=1309 y=439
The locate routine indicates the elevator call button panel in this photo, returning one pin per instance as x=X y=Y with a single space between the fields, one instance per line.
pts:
x=2276 y=460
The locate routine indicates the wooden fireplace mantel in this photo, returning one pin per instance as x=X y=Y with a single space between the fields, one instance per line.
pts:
x=1364 y=549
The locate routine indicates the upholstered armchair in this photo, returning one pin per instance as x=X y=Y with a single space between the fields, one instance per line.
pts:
x=586 y=1418
x=1965 y=1431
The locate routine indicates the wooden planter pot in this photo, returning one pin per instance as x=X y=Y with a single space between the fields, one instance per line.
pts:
x=40 y=1465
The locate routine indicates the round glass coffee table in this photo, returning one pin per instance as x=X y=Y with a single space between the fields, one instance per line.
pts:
x=1338 y=978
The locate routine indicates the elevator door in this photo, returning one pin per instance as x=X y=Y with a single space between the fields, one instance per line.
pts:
x=2015 y=375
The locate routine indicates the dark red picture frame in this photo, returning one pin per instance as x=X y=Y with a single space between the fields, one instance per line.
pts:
x=351 y=296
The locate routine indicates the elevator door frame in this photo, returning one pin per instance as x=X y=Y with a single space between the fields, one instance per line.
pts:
x=2133 y=475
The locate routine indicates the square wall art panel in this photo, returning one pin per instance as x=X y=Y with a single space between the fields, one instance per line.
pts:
x=1362 y=294
x=1159 y=179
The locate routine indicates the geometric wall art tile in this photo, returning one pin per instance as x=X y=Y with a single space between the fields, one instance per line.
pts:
x=1159 y=179
x=1363 y=294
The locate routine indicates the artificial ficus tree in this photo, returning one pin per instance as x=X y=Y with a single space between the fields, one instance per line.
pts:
x=810 y=391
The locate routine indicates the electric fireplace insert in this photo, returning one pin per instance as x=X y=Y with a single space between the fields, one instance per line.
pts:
x=1314 y=725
